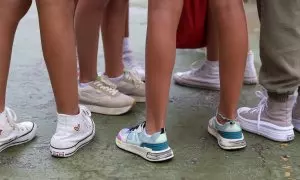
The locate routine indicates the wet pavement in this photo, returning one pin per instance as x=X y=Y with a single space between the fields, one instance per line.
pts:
x=197 y=155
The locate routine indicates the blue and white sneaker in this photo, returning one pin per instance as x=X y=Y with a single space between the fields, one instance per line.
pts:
x=153 y=148
x=229 y=135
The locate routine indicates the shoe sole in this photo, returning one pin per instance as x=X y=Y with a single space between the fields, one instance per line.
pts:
x=267 y=130
x=227 y=144
x=139 y=99
x=107 y=110
x=67 y=152
x=250 y=81
x=213 y=88
x=21 y=140
x=149 y=155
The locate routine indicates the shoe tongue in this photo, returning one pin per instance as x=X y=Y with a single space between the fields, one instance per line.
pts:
x=5 y=123
x=105 y=81
x=2 y=113
x=3 y=119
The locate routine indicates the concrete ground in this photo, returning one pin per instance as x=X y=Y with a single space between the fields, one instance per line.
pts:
x=197 y=155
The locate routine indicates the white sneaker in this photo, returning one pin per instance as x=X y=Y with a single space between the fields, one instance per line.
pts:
x=250 y=75
x=12 y=133
x=133 y=65
x=101 y=96
x=270 y=118
x=206 y=75
x=72 y=133
x=132 y=85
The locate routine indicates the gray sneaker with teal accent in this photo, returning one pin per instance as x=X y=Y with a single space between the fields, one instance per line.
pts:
x=154 y=148
x=229 y=135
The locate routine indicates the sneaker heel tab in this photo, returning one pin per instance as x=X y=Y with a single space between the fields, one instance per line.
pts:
x=161 y=138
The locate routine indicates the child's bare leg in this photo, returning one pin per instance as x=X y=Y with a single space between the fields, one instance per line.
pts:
x=75 y=127
x=114 y=21
x=233 y=43
x=163 y=20
x=212 y=36
x=127 y=22
x=151 y=140
x=128 y=59
x=250 y=75
x=11 y=12
x=87 y=22
x=126 y=81
x=58 y=41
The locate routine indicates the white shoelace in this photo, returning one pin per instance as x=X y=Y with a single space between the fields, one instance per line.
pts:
x=86 y=115
x=85 y=111
x=138 y=128
x=197 y=65
x=105 y=85
x=133 y=77
x=12 y=119
x=261 y=106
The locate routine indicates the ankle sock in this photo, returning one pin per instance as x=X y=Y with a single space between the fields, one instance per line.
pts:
x=116 y=79
x=83 y=85
x=146 y=134
x=126 y=47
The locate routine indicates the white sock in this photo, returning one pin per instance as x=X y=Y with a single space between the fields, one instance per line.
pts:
x=126 y=47
x=146 y=134
x=116 y=79
x=83 y=85
x=212 y=63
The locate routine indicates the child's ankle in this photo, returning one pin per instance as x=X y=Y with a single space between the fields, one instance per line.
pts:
x=69 y=112
x=126 y=47
x=151 y=131
x=223 y=119
x=2 y=109
x=117 y=79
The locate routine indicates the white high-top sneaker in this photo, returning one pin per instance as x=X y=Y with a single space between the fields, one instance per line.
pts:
x=13 y=133
x=206 y=75
x=133 y=65
x=72 y=133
